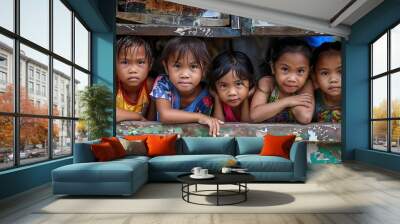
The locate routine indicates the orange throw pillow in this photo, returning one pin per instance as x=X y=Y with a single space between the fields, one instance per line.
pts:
x=159 y=145
x=136 y=137
x=116 y=145
x=277 y=145
x=103 y=152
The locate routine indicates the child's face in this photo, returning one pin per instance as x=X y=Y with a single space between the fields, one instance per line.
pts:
x=232 y=90
x=132 y=70
x=184 y=73
x=291 y=72
x=328 y=73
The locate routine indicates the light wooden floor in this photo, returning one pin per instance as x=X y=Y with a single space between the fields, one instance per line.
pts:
x=377 y=188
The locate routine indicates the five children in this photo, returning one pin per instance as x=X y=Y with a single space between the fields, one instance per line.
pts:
x=181 y=95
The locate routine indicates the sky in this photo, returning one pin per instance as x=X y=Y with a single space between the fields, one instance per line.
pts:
x=34 y=26
x=380 y=65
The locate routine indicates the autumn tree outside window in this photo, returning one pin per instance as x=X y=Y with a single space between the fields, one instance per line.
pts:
x=44 y=64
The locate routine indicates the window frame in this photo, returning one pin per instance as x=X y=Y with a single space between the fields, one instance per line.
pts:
x=16 y=115
x=388 y=74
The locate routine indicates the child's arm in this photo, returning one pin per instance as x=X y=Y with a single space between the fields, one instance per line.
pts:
x=173 y=116
x=304 y=112
x=151 y=113
x=218 y=110
x=259 y=101
x=245 y=111
x=124 y=115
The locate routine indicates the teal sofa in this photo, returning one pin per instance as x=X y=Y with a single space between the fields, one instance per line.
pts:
x=125 y=176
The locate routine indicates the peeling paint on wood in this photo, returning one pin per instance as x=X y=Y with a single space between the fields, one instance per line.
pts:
x=323 y=138
x=315 y=132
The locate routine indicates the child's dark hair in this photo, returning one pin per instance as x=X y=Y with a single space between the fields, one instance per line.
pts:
x=290 y=45
x=181 y=46
x=126 y=42
x=325 y=47
x=235 y=61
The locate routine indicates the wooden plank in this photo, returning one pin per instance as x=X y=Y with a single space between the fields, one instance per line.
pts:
x=281 y=31
x=172 y=20
x=314 y=132
x=156 y=30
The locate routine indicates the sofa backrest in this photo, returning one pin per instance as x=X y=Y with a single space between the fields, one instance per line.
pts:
x=206 y=145
x=249 y=145
x=83 y=152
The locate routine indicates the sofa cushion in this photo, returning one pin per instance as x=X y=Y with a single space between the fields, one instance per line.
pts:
x=257 y=163
x=185 y=163
x=159 y=145
x=248 y=145
x=277 y=145
x=97 y=172
x=103 y=151
x=134 y=147
x=83 y=152
x=207 y=145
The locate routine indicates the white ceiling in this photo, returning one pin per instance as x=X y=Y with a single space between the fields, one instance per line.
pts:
x=316 y=15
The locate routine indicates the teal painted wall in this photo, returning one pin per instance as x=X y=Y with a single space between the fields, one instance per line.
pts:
x=27 y=177
x=99 y=16
x=356 y=63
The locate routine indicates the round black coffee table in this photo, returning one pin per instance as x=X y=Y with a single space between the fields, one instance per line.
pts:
x=238 y=179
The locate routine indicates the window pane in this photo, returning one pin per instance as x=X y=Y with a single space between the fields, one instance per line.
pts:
x=81 y=45
x=62 y=141
x=6 y=74
x=62 y=29
x=81 y=81
x=6 y=142
x=379 y=55
x=33 y=139
x=35 y=21
x=34 y=97
x=395 y=47
x=62 y=89
x=379 y=97
x=395 y=95
x=81 y=132
x=379 y=135
x=7 y=14
x=395 y=135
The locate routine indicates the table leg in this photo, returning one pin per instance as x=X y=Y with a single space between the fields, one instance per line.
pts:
x=245 y=191
x=217 y=194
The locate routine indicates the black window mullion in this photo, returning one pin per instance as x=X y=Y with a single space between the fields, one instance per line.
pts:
x=389 y=106
x=371 y=91
x=50 y=87
x=16 y=68
x=16 y=83
x=73 y=82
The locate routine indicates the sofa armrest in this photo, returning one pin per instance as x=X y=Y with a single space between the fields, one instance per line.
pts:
x=298 y=155
x=83 y=152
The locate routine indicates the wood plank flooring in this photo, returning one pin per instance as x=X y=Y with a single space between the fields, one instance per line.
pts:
x=377 y=189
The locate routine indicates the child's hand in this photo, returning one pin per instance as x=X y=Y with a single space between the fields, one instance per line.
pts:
x=213 y=124
x=304 y=99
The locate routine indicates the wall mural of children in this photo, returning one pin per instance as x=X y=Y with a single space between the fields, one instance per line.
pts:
x=134 y=60
x=327 y=79
x=291 y=97
x=180 y=95
x=231 y=77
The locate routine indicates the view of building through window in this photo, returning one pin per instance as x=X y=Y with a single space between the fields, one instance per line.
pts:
x=41 y=83
x=385 y=79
